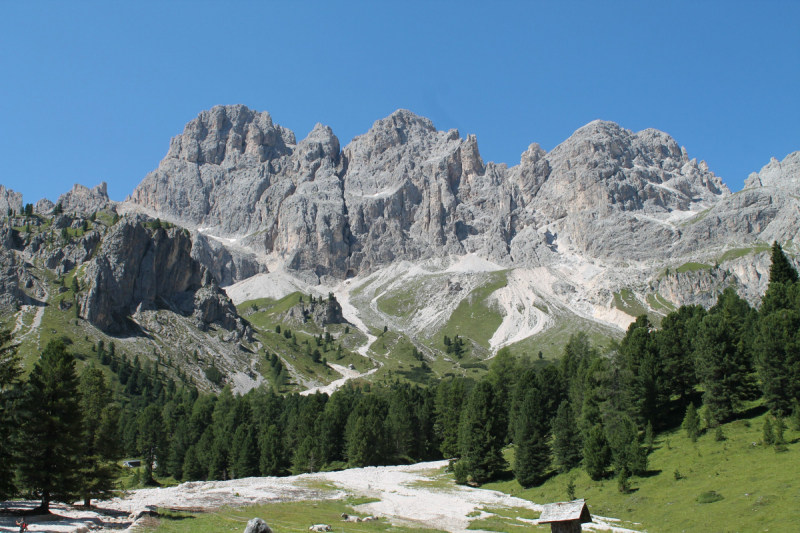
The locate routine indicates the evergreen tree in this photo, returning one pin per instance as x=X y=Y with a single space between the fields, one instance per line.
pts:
x=50 y=439
x=780 y=428
x=723 y=366
x=150 y=437
x=271 y=461
x=675 y=343
x=796 y=415
x=627 y=454
x=449 y=402
x=649 y=437
x=776 y=349
x=503 y=377
x=596 y=453
x=100 y=450
x=567 y=438
x=306 y=458
x=367 y=433
x=481 y=437
x=193 y=470
x=9 y=388
x=532 y=440
x=781 y=270
x=768 y=433
x=244 y=452
x=691 y=423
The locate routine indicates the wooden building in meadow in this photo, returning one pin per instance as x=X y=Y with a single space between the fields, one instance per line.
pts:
x=565 y=517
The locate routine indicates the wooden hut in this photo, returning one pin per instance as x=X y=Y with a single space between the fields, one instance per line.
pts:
x=565 y=517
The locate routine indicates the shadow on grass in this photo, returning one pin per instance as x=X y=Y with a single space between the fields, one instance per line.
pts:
x=650 y=473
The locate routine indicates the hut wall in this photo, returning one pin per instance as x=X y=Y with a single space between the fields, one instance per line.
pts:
x=571 y=526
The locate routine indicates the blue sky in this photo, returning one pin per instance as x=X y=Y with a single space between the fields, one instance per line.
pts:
x=93 y=91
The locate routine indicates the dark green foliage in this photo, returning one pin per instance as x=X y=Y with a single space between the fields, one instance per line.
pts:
x=58 y=209
x=777 y=352
x=450 y=396
x=723 y=361
x=532 y=440
x=278 y=328
x=151 y=440
x=781 y=271
x=99 y=453
x=624 y=481
x=627 y=453
x=481 y=436
x=596 y=453
x=9 y=383
x=567 y=446
x=642 y=373
x=50 y=440
x=710 y=497
x=570 y=489
x=649 y=437
x=719 y=435
x=691 y=423
x=367 y=435
x=213 y=374
x=768 y=433
x=780 y=428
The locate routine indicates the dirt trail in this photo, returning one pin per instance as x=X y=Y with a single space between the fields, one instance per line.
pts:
x=350 y=313
x=333 y=386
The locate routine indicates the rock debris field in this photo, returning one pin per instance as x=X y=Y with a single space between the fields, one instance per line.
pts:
x=406 y=493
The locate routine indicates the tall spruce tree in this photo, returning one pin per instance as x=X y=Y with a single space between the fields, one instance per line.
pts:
x=449 y=403
x=723 y=365
x=776 y=349
x=691 y=423
x=50 y=439
x=566 y=439
x=481 y=437
x=9 y=391
x=150 y=440
x=628 y=455
x=781 y=270
x=596 y=453
x=100 y=449
x=532 y=440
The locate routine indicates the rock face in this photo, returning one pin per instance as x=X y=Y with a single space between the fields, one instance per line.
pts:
x=9 y=200
x=139 y=269
x=321 y=313
x=43 y=207
x=404 y=190
x=227 y=265
x=82 y=199
x=782 y=174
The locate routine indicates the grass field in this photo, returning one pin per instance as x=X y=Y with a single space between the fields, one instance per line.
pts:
x=760 y=487
x=691 y=267
x=475 y=317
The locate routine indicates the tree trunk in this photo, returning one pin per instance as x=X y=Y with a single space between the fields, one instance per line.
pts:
x=45 y=506
x=87 y=502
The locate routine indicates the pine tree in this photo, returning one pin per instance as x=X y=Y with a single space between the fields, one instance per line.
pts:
x=781 y=271
x=449 y=403
x=9 y=387
x=151 y=438
x=567 y=439
x=596 y=453
x=649 y=437
x=628 y=455
x=481 y=437
x=100 y=449
x=780 y=428
x=271 y=461
x=532 y=441
x=776 y=349
x=193 y=470
x=691 y=423
x=367 y=434
x=51 y=438
x=244 y=452
x=796 y=415
x=768 y=433
x=719 y=435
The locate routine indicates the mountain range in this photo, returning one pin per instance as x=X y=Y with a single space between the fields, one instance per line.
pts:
x=407 y=228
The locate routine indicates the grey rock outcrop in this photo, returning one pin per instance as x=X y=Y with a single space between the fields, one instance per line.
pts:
x=9 y=199
x=10 y=293
x=257 y=525
x=43 y=207
x=82 y=199
x=138 y=269
x=782 y=174
x=322 y=313
x=227 y=265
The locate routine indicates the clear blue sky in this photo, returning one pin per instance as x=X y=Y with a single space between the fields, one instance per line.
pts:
x=93 y=91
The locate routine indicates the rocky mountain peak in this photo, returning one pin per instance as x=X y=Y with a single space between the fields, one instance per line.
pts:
x=781 y=174
x=10 y=200
x=82 y=199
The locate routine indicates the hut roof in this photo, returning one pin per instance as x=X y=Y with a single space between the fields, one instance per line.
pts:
x=565 y=512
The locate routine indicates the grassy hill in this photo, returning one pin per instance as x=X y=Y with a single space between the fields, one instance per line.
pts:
x=760 y=488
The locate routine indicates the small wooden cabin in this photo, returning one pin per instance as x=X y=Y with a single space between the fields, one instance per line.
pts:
x=565 y=517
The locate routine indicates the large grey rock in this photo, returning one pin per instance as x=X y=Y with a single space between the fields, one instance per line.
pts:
x=137 y=269
x=257 y=525
x=82 y=199
x=9 y=199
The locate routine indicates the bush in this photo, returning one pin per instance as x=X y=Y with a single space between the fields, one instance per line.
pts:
x=710 y=497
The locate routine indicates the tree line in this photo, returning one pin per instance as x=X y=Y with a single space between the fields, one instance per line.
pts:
x=597 y=411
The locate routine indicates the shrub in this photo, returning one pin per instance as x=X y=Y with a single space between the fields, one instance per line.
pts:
x=710 y=497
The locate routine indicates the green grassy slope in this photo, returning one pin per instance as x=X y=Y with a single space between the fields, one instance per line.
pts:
x=760 y=487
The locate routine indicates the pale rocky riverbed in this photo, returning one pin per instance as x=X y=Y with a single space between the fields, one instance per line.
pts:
x=407 y=497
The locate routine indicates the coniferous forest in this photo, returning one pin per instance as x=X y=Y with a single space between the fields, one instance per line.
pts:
x=64 y=434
